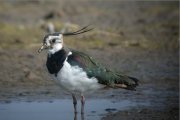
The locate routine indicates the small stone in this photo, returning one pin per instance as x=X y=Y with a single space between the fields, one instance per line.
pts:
x=93 y=111
x=30 y=75
x=112 y=44
x=7 y=101
x=110 y=109
x=21 y=94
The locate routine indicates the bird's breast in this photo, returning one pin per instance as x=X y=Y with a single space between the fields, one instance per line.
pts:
x=74 y=78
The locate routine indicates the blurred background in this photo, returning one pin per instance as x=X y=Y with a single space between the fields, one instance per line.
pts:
x=138 y=38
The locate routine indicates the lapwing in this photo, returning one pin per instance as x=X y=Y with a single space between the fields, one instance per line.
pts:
x=77 y=72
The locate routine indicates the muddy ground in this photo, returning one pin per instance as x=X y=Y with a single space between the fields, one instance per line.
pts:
x=139 y=39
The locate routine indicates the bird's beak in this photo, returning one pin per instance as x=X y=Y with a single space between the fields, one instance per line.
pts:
x=42 y=48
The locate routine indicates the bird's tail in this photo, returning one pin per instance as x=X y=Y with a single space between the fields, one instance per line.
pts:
x=125 y=82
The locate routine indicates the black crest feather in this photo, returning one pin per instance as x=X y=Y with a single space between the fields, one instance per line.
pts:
x=80 y=31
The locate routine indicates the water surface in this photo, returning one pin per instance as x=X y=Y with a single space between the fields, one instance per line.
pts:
x=95 y=109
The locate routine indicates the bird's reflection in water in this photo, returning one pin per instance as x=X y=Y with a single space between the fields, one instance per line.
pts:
x=75 y=116
x=82 y=116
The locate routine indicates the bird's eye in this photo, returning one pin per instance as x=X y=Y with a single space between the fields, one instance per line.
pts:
x=53 y=40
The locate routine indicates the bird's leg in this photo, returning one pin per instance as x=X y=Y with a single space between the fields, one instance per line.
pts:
x=74 y=103
x=82 y=104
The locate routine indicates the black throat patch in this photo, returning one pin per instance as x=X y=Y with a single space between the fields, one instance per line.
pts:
x=55 y=61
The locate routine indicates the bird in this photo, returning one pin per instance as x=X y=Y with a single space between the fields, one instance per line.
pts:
x=77 y=72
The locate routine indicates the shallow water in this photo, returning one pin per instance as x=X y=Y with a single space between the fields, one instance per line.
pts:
x=61 y=109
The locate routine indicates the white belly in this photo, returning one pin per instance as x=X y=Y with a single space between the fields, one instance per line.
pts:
x=74 y=79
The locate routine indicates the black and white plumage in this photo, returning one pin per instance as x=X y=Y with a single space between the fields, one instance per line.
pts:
x=78 y=73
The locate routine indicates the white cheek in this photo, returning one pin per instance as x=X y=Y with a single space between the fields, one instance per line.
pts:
x=56 y=48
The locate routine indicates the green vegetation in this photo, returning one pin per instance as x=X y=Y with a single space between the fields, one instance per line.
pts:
x=17 y=36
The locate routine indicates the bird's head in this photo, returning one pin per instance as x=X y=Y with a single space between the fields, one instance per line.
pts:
x=53 y=42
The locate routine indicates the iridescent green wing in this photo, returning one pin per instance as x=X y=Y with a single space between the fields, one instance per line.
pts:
x=104 y=75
